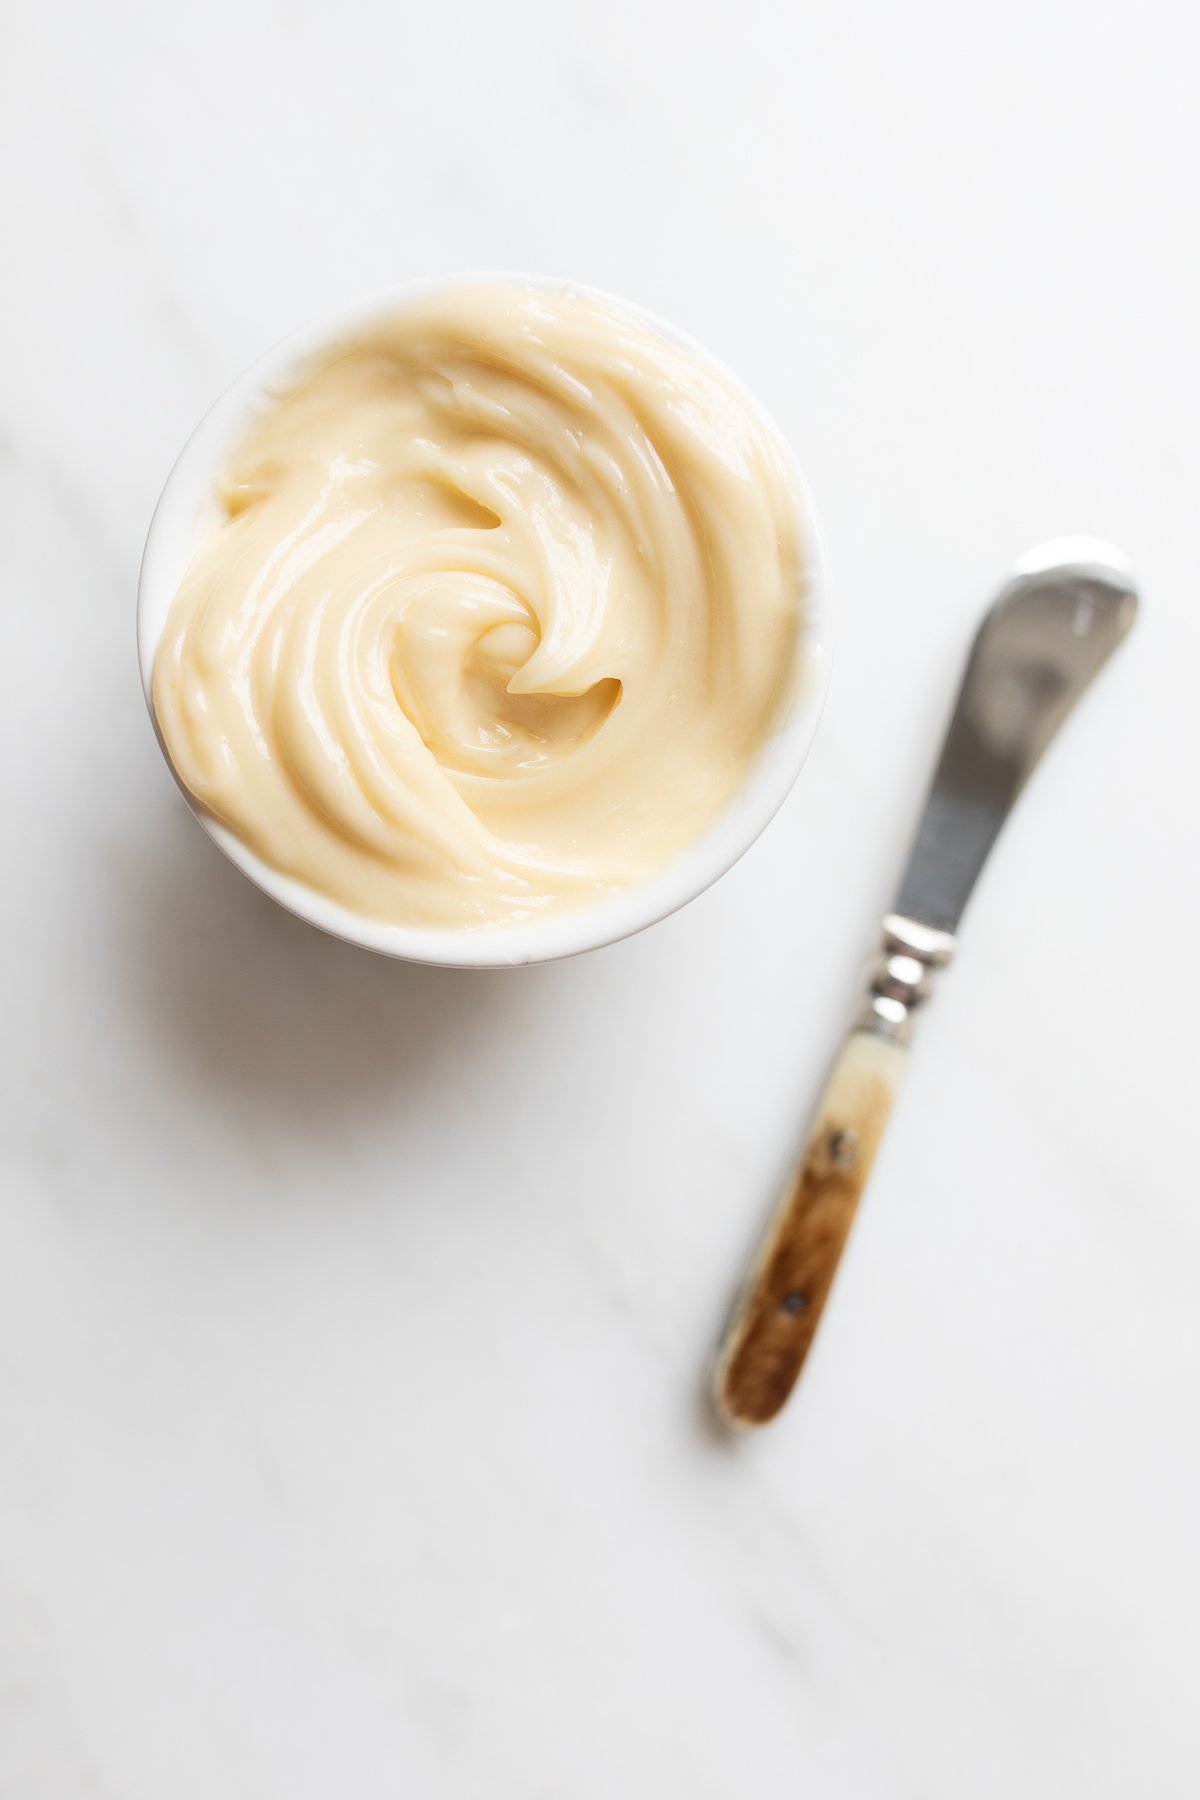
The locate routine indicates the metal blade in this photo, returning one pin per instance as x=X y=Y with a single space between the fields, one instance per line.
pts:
x=1052 y=628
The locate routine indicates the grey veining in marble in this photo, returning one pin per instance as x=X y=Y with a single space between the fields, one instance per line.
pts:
x=353 y=1318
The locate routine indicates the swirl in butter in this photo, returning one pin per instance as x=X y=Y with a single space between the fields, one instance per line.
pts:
x=504 y=601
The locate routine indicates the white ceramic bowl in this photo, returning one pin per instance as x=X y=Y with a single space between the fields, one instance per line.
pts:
x=187 y=510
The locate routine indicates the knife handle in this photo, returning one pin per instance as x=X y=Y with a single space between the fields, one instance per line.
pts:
x=778 y=1310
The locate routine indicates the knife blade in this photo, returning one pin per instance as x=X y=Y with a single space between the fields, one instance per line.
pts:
x=1052 y=627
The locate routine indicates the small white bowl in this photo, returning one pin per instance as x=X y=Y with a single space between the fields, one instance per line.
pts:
x=187 y=511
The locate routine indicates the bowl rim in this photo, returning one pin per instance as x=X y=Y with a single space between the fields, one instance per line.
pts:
x=187 y=508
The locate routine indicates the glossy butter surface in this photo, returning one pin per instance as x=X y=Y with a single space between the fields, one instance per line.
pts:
x=504 y=601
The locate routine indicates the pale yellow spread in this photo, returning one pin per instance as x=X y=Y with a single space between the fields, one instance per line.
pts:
x=505 y=603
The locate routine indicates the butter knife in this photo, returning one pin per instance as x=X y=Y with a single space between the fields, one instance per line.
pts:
x=1059 y=617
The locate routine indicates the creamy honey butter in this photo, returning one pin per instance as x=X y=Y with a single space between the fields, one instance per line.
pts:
x=504 y=600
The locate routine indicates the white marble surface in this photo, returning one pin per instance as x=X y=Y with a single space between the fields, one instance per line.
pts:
x=353 y=1317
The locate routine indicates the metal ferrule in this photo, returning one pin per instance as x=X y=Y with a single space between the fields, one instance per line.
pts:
x=901 y=977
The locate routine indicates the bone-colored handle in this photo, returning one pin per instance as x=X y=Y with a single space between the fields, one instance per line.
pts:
x=779 y=1308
